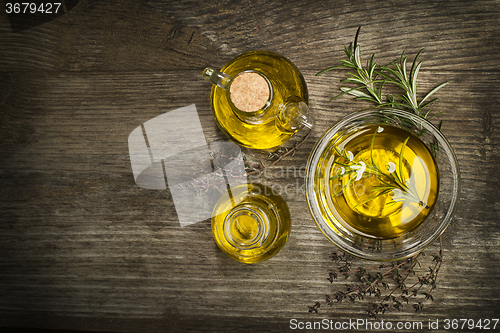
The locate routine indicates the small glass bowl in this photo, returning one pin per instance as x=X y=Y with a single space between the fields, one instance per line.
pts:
x=411 y=242
x=251 y=223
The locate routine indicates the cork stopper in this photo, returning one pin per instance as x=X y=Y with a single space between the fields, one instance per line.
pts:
x=249 y=92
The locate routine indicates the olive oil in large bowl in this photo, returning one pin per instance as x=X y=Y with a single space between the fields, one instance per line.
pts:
x=382 y=181
x=382 y=184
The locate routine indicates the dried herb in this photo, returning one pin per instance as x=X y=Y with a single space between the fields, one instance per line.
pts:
x=276 y=156
x=394 y=284
x=225 y=171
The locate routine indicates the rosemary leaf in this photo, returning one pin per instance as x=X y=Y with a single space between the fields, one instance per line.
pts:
x=433 y=91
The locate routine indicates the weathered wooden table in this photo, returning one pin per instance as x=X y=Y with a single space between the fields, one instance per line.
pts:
x=83 y=248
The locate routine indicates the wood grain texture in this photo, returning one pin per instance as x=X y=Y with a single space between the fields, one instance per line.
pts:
x=83 y=248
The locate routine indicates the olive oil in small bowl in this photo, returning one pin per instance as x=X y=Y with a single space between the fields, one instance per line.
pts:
x=250 y=223
x=382 y=184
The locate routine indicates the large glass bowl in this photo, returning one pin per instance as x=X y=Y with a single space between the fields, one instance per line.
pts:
x=364 y=246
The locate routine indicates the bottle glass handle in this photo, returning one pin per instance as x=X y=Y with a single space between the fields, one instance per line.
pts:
x=293 y=116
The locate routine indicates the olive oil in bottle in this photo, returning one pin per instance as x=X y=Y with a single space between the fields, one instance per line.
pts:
x=383 y=181
x=250 y=223
x=264 y=83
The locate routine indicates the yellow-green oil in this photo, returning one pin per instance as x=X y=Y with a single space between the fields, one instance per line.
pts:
x=287 y=83
x=358 y=205
x=250 y=223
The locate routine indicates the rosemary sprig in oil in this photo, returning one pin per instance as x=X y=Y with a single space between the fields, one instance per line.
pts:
x=391 y=177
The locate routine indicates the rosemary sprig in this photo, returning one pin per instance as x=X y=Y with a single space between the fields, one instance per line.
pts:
x=392 y=179
x=395 y=73
x=398 y=76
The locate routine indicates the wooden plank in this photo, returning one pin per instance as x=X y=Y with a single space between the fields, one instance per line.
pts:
x=78 y=227
x=106 y=37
